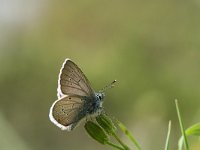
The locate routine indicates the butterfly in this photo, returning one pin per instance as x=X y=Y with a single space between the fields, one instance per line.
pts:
x=76 y=98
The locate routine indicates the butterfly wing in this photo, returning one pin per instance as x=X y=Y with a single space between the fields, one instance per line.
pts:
x=72 y=81
x=67 y=112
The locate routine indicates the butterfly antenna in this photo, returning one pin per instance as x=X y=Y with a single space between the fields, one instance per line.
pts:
x=108 y=86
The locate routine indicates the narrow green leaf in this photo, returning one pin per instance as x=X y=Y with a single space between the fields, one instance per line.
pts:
x=106 y=123
x=193 y=130
x=108 y=126
x=182 y=128
x=168 y=135
x=96 y=132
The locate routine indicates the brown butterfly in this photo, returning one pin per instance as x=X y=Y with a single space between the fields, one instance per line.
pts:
x=76 y=98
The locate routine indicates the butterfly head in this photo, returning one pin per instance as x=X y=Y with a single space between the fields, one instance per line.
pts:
x=99 y=97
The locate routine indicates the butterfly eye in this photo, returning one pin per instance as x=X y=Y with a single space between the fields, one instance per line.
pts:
x=99 y=96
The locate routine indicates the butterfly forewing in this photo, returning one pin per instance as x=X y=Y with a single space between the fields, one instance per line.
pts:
x=72 y=88
x=67 y=112
x=72 y=81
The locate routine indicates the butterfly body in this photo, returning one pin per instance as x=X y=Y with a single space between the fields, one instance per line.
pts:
x=96 y=104
x=76 y=98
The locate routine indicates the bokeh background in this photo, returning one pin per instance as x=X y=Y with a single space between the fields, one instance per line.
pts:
x=151 y=47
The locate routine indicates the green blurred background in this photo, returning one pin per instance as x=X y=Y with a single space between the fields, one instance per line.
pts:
x=151 y=47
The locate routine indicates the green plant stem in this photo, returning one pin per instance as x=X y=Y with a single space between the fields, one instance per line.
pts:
x=168 y=134
x=125 y=130
x=181 y=126
x=120 y=142
x=115 y=146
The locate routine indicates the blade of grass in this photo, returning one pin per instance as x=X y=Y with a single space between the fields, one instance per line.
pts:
x=180 y=143
x=181 y=126
x=168 y=135
x=128 y=134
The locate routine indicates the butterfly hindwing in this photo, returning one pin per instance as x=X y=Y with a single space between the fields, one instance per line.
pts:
x=72 y=81
x=67 y=112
